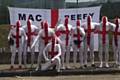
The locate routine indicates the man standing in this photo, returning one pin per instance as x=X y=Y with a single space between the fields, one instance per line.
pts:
x=16 y=34
x=103 y=36
x=89 y=40
x=116 y=42
x=64 y=31
x=78 y=35
x=31 y=32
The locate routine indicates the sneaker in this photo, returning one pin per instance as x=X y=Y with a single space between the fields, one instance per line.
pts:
x=119 y=67
x=25 y=66
x=92 y=65
x=116 y=65
x=37 y=69
x=68 y=67
x=101 y=65
x=58 y=70
x=11 y=67
x=81 y=67
x=74 y=67
x=116 y=62
x=85 y=66
x=20 y=67
x=63 y=67
x=106 y=65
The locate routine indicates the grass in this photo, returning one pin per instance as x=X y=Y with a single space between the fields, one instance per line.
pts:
x=4 y=30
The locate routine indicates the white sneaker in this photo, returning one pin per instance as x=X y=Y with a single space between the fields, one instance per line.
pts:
x=106 y=65
x=101 y=65
x=74 y=67
x=68 y=67
x=119 y=67
x=25 y=66
x=63 y=67
x=116 y=62
x=58 y=70
x=37 y=69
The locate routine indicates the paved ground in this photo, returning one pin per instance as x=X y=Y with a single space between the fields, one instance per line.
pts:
x=72 y=77
x=80 y=77
x=7 y=66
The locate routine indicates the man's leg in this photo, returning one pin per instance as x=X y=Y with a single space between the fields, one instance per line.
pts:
x=81 y=51
x=74 y=55
x=115 y=51
x=106 y=55
x=46 y=66
x=40 y=57
x=85 y=54
x=32 y=56
x=20 y=56
x=25 y=54
x=58 y=64
x=63 y=57
x=13 y=54
x=67 y=56
x=92 y=54
x=106 y=50
x=101 y=55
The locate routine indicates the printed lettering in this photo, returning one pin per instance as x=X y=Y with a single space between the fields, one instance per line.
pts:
x=21 y=16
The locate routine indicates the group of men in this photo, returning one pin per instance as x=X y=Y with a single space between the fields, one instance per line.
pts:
x=55 y=44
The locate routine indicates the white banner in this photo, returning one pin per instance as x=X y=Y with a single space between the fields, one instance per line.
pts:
x=80 y=13
x=22 y=14
x=36 y=15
